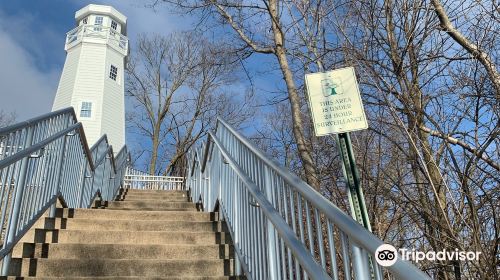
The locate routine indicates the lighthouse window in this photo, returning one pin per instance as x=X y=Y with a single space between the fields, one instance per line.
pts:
x=86 y=110
x=98 y=21
x=113 y=72
x=114 y=25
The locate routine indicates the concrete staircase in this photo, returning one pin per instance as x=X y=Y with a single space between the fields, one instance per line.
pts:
x=143 y=235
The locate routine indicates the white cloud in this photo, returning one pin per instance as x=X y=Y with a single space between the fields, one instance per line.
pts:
x=31 y=59
x=24 y=89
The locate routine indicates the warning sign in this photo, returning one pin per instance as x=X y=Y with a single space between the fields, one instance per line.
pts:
x=335 y=102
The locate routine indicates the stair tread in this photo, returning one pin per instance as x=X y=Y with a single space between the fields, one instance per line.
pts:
x=127 y=231
x=127 y=277
x=132 y=224
x=121 y=214
x=121 y=251
x=193 y=209
x=160 y=212
x=120 y=267
x=129 y=237
x=169 y=199
x=100 y=245
x=147 y=202
x=156 y=192
x=131 y=260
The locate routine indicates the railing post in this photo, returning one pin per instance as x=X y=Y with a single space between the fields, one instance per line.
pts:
x=360 y=263
x=271 y=240
x=83 y=182
x=52 y=212
x=93 y=182
x=107 y=178
x=237 y=265
x=16 y=208
x=103 y=191
x=208 y=187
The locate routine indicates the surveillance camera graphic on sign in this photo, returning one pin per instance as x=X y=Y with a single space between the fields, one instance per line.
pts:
x=331 y=87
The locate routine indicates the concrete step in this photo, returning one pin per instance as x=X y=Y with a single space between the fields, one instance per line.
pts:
x=129 y=225
x=150 y=204
x=120 y=214
x=124 y=237
x=124 y=267
x=166 y=209
x=127 y=278
x=132 y=197
x=121 y=251
x=155 y=192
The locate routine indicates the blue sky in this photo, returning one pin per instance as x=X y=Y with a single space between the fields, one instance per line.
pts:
x=32 y=35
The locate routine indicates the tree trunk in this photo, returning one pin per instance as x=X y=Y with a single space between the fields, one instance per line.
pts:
x=154 y=151
x=297 y=123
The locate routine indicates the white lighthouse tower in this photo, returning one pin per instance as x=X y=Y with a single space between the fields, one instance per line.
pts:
x=92 y=80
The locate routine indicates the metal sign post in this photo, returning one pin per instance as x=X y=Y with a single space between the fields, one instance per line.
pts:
x=353 y=180
x=336 y=108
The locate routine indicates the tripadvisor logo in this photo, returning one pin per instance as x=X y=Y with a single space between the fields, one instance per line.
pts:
x=387 y=255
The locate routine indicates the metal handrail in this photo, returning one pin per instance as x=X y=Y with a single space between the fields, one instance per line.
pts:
x=47 y=159
x=312 y=220
x=16 y=126
x=298 y=249
x=38 y=146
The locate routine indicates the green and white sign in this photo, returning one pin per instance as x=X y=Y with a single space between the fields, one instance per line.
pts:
x=335 y=102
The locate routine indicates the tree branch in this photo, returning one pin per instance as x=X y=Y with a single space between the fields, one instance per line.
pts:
x=473 y=49
x=238 y=30
x=462 y=144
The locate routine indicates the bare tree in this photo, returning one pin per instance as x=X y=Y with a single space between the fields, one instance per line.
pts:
x=259 y=28
x=438 y=127
x=175 y=83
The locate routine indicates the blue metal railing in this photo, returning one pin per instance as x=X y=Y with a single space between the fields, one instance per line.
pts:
x=47 y=159
x=281 y=227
